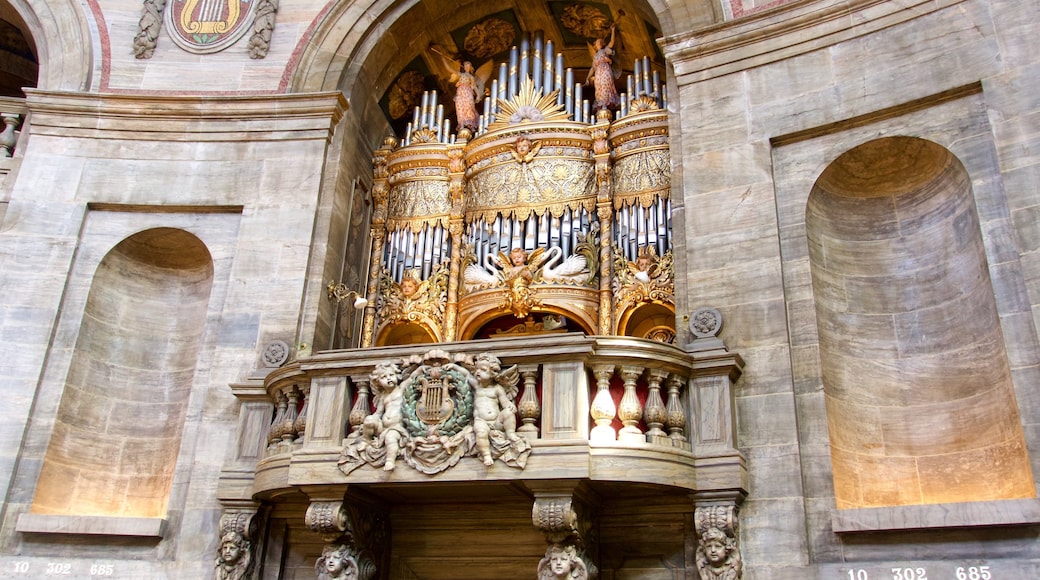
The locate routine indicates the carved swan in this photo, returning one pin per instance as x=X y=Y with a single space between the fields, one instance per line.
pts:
x=572 y=270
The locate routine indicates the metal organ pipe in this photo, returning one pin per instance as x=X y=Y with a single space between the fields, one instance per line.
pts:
x=536 y=62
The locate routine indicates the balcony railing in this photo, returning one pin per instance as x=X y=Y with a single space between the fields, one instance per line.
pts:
x=587 y=407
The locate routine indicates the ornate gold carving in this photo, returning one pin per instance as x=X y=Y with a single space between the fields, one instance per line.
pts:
x=643 y=104
x=414 y=204
x=529 y=326
x=489 y=37
x=413 y=300
x=528 y=106
x=406 y=93
x=585 y=20
x=525 y=150
x=545 y=183
x=647 y=279
x=642 y=177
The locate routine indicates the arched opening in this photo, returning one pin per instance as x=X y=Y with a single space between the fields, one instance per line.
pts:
x=920 y=404
x=650 y=320
x=117 y=432
x=19 y=61
x=406 y=333
x=386 y=68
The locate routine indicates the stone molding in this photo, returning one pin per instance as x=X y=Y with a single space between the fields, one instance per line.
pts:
x=787 y=31
x=1012 y=512
x=91 y=525
x=186 y=118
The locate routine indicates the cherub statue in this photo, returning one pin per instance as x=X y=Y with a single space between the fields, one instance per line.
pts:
x=561 y=562
x=233 y=558
x=384 y=427
x=603 y=72
x=468 y=84
x=645 y=265
x=494 y=393
x=717 y=556
x=525 y=150
x=336 y=563
x=412 y=294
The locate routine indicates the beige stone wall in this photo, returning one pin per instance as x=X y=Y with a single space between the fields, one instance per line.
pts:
x=764 y=111
x=762 y=108
x=96 y=172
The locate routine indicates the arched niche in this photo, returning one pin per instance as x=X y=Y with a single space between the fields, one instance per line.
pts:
x=920 y=405
x=117 y=432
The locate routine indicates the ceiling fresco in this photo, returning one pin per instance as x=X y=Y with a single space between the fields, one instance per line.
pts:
x=490 y=29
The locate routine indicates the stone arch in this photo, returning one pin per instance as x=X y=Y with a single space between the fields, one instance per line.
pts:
x=117 y=432
x=920 y=403
x=346 y=37
x=61 y=38
x=359 y=49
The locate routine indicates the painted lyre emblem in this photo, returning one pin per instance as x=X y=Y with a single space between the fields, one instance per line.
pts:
x=205 y=26
x=435 y=404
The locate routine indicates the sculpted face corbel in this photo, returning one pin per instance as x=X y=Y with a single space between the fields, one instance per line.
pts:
x=566 y=522
x=356 y=534
x=718 y=551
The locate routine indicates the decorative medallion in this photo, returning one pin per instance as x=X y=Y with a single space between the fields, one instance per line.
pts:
x=207 y=26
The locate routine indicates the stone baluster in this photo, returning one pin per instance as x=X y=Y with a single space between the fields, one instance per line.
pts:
x=300 y=426
x=361 y=407
x=275 y=433
x=676 y=415
x=603 y=408
x=630 y=411
x=528 y=407
x=291 y=413
x=655 y=415
x=9 y=137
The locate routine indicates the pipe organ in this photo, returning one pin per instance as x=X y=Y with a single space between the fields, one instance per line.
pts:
x=547 y=216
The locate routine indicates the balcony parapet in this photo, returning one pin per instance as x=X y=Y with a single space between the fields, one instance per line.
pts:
x=596 y=408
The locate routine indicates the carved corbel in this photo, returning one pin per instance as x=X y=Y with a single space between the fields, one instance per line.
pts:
x=718 y=550
x=328 y=519
x=355 y=534
x=239 y=532
x=567 y=526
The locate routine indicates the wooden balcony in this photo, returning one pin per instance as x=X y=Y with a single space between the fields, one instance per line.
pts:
x=595 y=409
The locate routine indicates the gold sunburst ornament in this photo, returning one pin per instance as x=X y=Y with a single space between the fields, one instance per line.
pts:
x=528 y=106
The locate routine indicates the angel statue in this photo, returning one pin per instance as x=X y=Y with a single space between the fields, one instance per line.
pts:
x=494 y=408
x=518 y=269
x=468 y=86
x=603 y=72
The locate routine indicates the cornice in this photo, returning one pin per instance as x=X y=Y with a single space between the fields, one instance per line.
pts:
x=177 y=118
x=784 y=32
